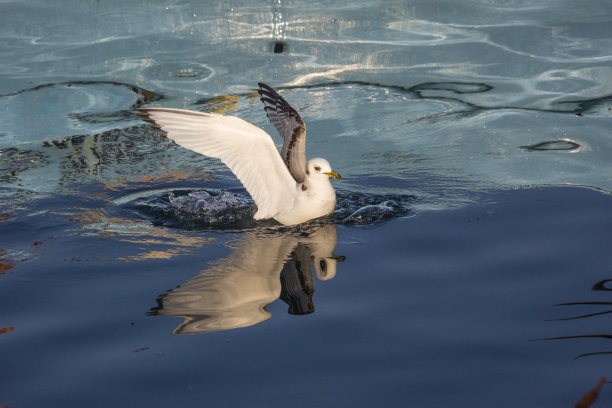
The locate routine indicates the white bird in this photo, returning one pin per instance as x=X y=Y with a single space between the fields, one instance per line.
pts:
x=284 y=187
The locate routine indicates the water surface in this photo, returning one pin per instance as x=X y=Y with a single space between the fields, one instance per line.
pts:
x=468 y=260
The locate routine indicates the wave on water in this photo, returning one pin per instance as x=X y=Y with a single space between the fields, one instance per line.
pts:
x=210 y=208
x=222 y=209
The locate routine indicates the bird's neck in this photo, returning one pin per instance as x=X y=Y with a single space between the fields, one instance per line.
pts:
x=317 y=186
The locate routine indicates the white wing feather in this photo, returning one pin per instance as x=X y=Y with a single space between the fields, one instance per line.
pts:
x=247 y=150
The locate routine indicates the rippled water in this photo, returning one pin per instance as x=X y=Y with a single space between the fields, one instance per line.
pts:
x=467 y=262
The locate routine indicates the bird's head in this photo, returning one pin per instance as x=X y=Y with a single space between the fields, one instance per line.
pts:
x=321 y=166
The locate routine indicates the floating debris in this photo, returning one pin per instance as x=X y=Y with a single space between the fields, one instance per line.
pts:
x=279 y=47
x=589 y=398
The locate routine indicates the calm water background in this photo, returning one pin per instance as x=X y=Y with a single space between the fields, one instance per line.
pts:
x=490 y=121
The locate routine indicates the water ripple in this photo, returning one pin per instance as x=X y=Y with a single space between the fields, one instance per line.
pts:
x=234 y=210
x=562 y=145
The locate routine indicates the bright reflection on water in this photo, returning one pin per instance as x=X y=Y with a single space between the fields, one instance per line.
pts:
x=263 y=267
x=473 y=218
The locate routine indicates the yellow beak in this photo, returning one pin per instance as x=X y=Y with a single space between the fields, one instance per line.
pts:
x=334 y=175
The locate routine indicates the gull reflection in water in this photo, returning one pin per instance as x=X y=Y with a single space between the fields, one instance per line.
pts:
x=264 y=266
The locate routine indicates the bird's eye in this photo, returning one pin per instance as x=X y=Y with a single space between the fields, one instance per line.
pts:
x=323 y=266
x=317 y=168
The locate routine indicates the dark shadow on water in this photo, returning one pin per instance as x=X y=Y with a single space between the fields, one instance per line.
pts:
x=554 y=145
x=142 y=95
x=14 y=161
x=452 y=91
x=444 y=90
x=597 y=287
x=266 y=264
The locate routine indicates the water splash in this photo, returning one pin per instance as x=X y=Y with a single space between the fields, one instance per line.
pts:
x=211 y=208
x=222 y=209
x=360 y=208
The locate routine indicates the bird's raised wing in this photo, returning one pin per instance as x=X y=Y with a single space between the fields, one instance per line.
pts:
x=247 y=150
x=291 y=128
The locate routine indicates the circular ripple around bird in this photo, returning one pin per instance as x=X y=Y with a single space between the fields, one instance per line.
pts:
x=222 y=210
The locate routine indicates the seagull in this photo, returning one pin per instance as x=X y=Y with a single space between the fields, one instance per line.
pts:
x=284 y=186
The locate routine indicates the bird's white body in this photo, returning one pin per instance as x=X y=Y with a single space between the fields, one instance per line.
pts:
x=314 y=198
x=285 y=188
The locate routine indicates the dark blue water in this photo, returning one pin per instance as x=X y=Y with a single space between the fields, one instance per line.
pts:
x=445 y=308
x=468 y=260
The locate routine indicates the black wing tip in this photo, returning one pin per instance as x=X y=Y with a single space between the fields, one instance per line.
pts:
x=264 y=86
x=270 y=97
x=268 y=90
x=268 y=101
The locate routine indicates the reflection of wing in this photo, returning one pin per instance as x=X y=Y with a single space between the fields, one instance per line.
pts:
x=246 y=149
x=297 y=282
x=291 y=128
x=235 y=290
x=232 y=293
